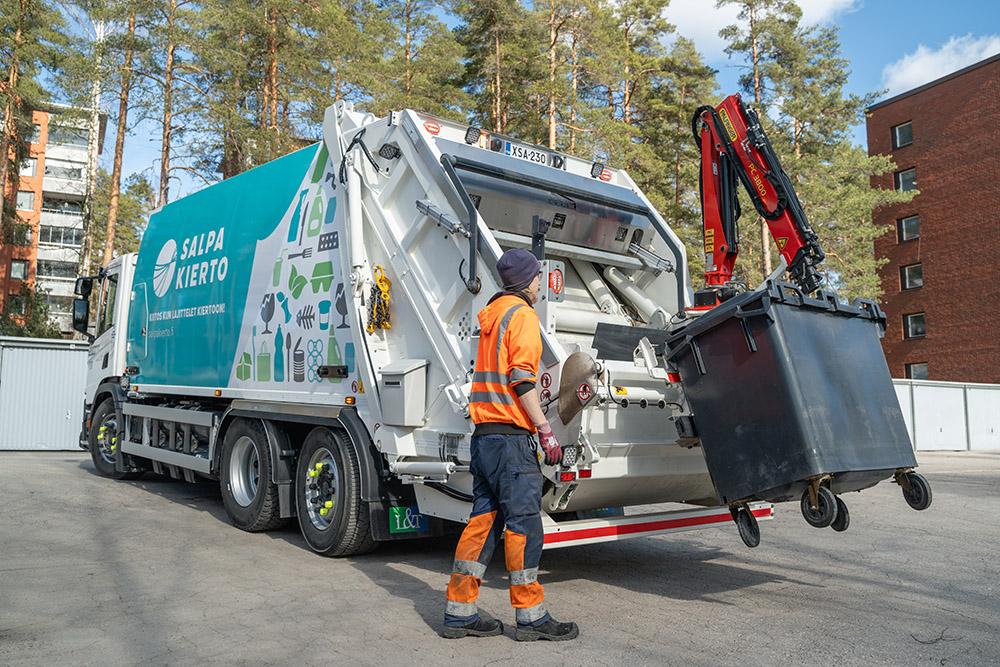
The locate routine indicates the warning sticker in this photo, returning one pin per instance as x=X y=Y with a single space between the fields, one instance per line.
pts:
x=782 y=241
x=709 y=241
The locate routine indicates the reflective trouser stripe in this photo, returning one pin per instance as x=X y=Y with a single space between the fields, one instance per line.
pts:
x=526 y=615
x=489 y=396
x=461 y=608
x=471 y=567
x=522 y=577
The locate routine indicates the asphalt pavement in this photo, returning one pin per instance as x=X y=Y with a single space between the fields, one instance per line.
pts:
x=94 y=571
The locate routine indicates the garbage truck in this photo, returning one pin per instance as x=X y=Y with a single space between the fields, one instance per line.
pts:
x=304 y=333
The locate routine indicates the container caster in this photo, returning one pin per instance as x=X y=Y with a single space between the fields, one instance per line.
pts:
x=819 y=506
x=747 y=524
x=916 y=489
x=843 y=520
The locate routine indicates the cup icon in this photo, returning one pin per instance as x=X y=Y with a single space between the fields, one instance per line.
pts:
x=324 y=315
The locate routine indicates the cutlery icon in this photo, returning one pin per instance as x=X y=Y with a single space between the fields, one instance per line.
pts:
x=305 y=254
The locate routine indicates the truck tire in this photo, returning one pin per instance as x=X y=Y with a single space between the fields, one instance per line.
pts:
x=333 y=518
x=105 y=435
x=248 y=494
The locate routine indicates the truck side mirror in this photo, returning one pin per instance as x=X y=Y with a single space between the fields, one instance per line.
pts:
x=84 y=286
x=81 y=314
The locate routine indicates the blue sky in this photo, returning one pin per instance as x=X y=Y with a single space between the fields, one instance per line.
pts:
x=894 y=45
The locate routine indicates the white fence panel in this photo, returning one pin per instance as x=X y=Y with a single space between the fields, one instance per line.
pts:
x=41 y=393
x=984 y=417
x=939 y=417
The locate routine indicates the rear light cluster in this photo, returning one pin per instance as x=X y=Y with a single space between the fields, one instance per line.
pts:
x=571 y=475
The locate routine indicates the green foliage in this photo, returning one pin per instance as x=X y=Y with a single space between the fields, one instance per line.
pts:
x=134 y=205
x=27 y=315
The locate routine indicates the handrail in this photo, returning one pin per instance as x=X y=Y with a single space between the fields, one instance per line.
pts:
x=472 y=283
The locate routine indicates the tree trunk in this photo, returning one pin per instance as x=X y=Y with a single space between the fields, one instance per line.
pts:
x=574 y=86
x=765 y=235
x=116 y=169
x=93 y=148
x=498 y=125
x=553 y=41
x=168 y=110
x=272 y=51
x=678 y=129
x=8 y=192
x=407 y=53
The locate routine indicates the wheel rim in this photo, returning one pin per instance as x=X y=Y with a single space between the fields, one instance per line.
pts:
x=320 y=483
x=244 y=471
x=107 y=439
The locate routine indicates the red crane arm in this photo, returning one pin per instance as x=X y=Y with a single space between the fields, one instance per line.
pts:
x=734 y=148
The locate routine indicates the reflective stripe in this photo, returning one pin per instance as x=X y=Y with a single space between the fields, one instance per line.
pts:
x=529 y=615
x=521 y=577
x=470 y=567
x=489 y=376
x=461 y=608
x=490 y=397
x=520 y=375
x=503 y=329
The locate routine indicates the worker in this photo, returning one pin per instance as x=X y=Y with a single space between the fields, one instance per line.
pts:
x=507 y=478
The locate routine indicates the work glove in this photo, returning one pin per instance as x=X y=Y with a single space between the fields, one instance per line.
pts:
x=549 y=444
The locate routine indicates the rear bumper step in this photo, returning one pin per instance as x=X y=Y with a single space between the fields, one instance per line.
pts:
x=592 y=531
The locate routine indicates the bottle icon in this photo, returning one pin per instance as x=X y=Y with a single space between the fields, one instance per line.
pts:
x=333 y=355
x=279 y=357
x=263 y=363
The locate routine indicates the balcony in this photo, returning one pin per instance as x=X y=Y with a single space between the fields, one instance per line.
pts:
x=63 y=186
x=61 y=219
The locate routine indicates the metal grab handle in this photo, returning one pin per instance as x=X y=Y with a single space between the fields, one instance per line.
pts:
x=472 y=283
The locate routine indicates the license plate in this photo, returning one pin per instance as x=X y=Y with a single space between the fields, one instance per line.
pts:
x=524 y=153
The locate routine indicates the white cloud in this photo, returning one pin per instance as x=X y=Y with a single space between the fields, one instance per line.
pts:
x=700 y=21
x=926 y=64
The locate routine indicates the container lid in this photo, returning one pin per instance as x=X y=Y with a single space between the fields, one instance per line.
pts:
x=403 y=366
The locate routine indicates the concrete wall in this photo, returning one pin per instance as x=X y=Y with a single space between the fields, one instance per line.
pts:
x=951 y=415
x=41 y=393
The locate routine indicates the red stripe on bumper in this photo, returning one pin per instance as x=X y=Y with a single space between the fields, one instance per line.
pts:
x=649 y=526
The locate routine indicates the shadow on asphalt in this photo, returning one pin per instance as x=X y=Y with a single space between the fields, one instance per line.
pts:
x=676 y=569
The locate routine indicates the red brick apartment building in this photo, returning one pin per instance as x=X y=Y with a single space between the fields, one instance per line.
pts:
x=942 y=282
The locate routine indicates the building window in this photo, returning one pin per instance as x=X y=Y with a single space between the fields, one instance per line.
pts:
x=15 y=304
x=67 y=236
x=48 y=268
x=902 y=135
x=19 y=269
x=72 y=171
x=29 y=166
x=18 y=233
x=917 y=371
x=65 y=206
x=911 y=277
x=906 y=180
x=914 y=325
x=907 y=228
x=59 y=306
x=36 y=133
x=25 y=200
x=67 y=136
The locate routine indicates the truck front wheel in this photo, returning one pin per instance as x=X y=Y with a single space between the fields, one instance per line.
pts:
x=248 y=494
x=333 y=517
x=105 y=439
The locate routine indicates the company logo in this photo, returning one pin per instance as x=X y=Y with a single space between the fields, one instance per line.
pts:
x=728 y=124
x=163 y=270
x=406 y=520
x=432 y=127
x=175 y=267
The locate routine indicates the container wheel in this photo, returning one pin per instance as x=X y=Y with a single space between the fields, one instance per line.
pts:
x=747 y=524
x=916 y=491
x=248 y=494
x=334 y=519
x=843 y=520
x=105 y=436
x=825 y=511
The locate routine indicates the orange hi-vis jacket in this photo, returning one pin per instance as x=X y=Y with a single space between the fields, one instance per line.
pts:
x=510 y=348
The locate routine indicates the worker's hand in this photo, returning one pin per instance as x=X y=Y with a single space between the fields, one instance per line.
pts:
x=550 y=446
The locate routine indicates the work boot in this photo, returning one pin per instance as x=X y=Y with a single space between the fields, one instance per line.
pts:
x=484 y=626
x=551 y=629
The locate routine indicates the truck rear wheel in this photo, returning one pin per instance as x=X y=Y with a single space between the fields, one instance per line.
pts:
x=248 y=494
x=333 y=517
x=105 y=436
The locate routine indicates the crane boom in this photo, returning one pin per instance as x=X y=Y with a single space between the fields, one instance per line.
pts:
x=735 y=149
